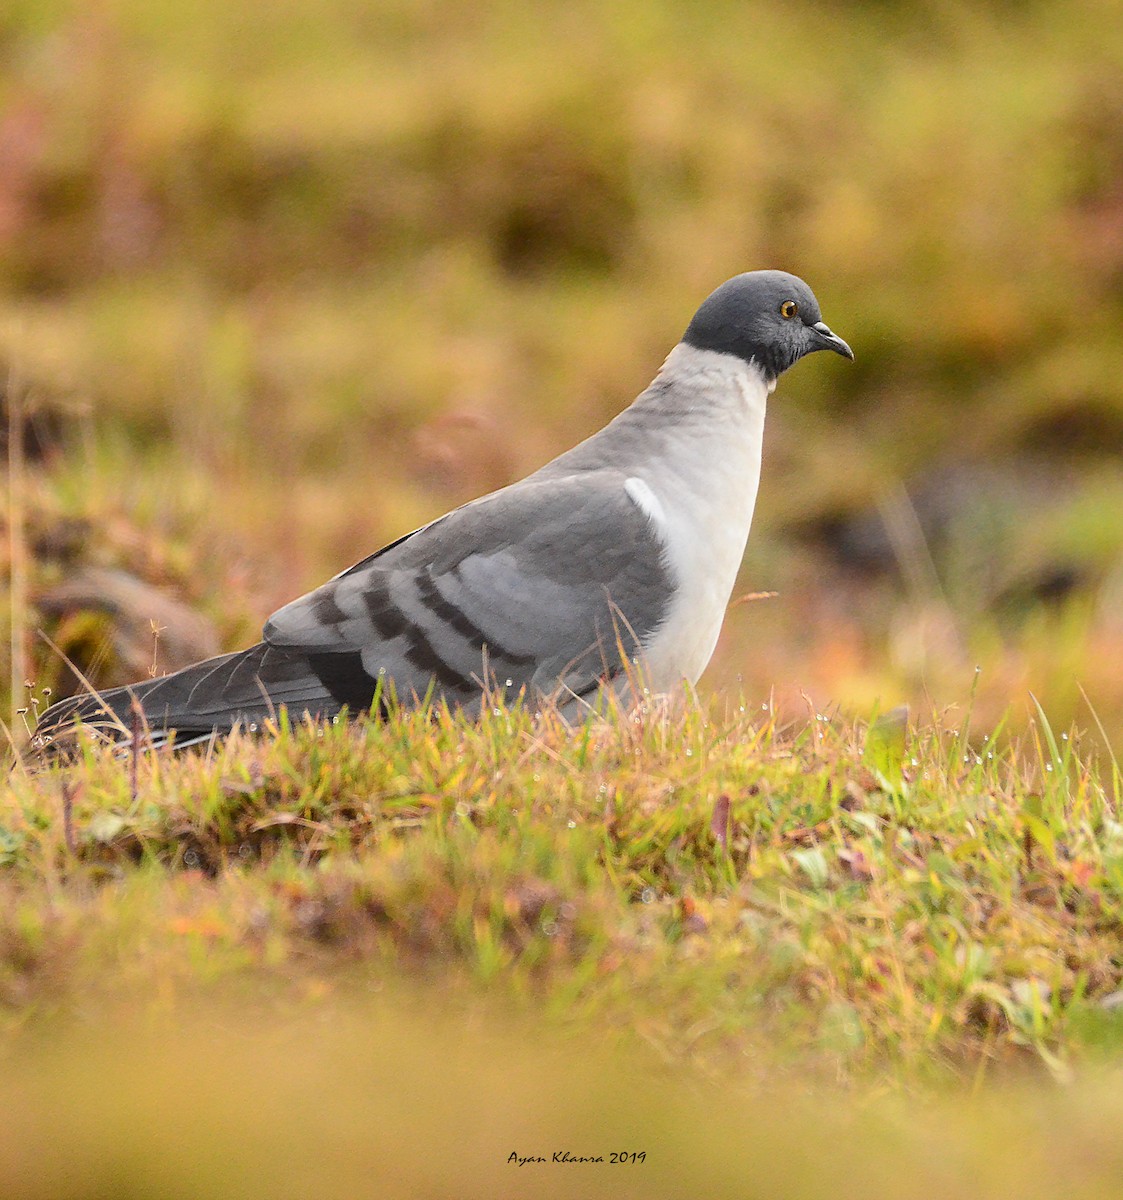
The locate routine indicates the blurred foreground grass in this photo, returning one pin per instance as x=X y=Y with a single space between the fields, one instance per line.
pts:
x=392 y=1099
x=381 y=958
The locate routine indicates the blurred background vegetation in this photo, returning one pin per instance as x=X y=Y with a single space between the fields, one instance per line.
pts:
x=279 y=282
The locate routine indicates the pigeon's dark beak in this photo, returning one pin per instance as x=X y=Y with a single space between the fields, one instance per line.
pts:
x=823 y=339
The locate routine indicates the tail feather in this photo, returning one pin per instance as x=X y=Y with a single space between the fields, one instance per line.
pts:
x=245 y=688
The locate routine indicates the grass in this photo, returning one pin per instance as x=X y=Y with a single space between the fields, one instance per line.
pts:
x=687 y=930
x=391 y=1098
x=874 y=905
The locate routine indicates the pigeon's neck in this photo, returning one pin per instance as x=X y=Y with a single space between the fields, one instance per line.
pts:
x=691 y=379
x=701 y=403
x=702 y=414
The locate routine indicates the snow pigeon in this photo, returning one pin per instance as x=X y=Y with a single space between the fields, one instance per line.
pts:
x=611 y=564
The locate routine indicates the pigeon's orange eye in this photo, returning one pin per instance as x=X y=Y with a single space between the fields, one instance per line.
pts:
x=789 y=308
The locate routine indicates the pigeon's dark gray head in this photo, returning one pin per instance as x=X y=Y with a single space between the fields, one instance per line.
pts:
x=767 y=317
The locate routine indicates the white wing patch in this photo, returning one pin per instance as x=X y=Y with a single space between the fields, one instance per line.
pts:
x=646 y=501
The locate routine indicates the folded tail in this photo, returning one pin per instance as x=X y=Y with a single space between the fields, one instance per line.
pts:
x=245 y=689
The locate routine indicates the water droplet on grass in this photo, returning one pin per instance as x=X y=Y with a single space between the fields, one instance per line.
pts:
x=647 y=895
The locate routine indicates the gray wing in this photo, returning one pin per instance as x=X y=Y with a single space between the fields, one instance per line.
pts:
x=549 y=583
